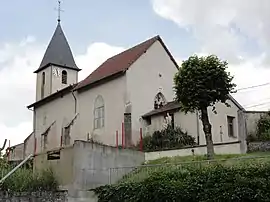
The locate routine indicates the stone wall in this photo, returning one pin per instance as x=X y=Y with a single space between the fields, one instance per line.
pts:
x=258 y=146
x=60 y=196
x=87 y=165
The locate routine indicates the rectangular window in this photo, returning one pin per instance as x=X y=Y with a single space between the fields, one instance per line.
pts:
x=230 y=122
x=99 y=118
x=45 y=141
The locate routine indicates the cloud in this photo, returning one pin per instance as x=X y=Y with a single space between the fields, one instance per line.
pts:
x=224 y=27
x=237 y=31
x=18 y=82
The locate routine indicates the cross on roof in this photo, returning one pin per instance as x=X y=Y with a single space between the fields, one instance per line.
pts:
x=59 y=10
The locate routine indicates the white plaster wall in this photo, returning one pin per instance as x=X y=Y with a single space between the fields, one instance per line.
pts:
x=143 y=83
x=251 y=120
x=220 y=119
x=47 y=88
x=29 y=145
x=17 y=153
x=219 y=149
x=188 y=123
x=72 y=78
x=114 y=96
x=53 y=83
x=61 y=110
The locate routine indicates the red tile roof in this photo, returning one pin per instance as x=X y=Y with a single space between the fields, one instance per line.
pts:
x=120 y=62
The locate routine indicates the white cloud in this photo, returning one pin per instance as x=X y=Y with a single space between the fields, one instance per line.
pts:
x=17 y=81
x=226 y=28
x=223 y=27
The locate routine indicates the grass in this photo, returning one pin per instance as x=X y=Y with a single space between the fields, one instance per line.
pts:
x=154 y=167
x=181 y=159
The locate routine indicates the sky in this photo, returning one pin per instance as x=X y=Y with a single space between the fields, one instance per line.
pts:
x=236 y=30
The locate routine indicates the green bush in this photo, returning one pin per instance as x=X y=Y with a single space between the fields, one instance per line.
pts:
x=24 y=180
x=263 y=128
x=214 y=183
x=169 y=138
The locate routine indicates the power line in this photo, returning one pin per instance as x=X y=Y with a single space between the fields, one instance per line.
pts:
x=258 y=105
x=250 y=87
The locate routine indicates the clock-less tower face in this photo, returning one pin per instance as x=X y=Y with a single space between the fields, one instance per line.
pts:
x=56 y=71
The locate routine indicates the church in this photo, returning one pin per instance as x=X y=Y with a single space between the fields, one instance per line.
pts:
x=112 y=99
x=125 y=97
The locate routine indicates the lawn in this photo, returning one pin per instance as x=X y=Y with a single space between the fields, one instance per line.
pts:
x=181 y=159
x=191 y=162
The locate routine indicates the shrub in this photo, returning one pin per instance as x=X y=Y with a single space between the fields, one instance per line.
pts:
x=169 y=138
x=214 y=183
x=24 y=180
x=263 y=128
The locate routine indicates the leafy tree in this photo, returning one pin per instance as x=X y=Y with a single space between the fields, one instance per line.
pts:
x=200 y=83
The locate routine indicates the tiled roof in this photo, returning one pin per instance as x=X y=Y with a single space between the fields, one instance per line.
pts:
x=170 y=106
x=120 y=62
x=58 y=52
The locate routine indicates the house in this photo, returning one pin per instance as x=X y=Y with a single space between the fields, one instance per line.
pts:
x=111 y=104
x=15 y=154
x=228 y=124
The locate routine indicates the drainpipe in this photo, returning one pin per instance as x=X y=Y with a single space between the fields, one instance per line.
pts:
x=75 y=99
x=198 y=129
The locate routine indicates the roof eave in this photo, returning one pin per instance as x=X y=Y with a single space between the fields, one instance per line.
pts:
x=62 y=66
x=52 y=96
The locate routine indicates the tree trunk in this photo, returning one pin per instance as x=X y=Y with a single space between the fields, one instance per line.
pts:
x=208 y=134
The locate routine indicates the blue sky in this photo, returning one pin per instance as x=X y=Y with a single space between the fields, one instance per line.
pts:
x=237 y=31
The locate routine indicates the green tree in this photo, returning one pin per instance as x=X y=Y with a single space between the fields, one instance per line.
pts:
x=200 y=83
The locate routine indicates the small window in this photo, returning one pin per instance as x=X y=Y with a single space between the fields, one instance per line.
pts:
x=99 y=113
x=43 y=85
x=230 y=121
x=43 y=78
x=45 y=141
x=64 y=77
x=148 y=121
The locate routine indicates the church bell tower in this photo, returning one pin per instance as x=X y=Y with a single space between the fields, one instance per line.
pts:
x=58 y=68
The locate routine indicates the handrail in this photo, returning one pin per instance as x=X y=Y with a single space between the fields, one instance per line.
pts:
x=14 y=169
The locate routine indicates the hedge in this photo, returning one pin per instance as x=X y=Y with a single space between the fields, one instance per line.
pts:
x=213 y=183
x=168 y=138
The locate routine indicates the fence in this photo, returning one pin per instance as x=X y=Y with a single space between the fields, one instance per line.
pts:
x=138 y=173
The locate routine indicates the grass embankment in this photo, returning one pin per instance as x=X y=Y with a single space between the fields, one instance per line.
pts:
x=228 y=178
x=25 y=180
x=182 y=163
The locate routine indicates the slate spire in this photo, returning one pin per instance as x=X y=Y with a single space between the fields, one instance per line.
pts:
x=58 y=52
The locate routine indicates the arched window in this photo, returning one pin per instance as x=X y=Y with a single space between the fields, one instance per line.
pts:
x=159 y=101
x=64 y=77
x=42 y=84
x=99 y=112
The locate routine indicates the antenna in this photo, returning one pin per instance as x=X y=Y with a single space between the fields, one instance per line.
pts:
x=59 y=10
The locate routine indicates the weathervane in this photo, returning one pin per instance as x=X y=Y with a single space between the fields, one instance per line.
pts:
x=59 y=11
